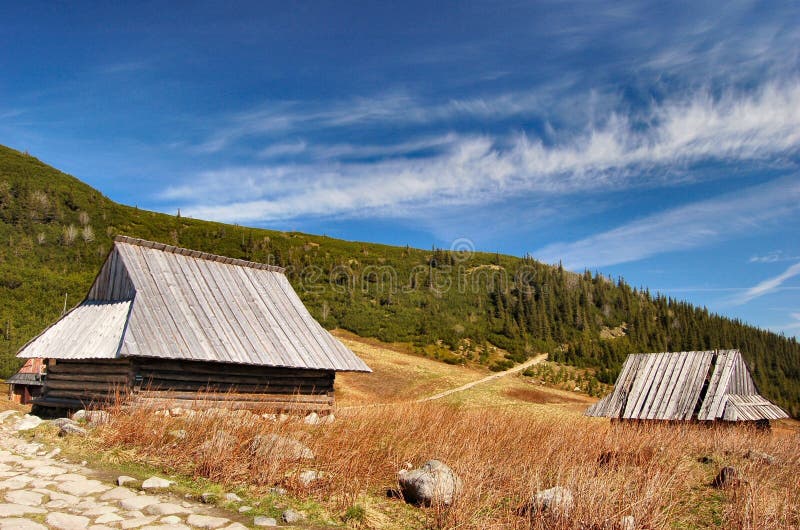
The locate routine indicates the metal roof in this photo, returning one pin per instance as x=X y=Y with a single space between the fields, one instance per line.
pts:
x=703 y=385
x=197 y=306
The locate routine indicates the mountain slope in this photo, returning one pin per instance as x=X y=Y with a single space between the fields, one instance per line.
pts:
x=491 y=309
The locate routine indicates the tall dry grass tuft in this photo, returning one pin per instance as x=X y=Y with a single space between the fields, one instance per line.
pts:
x=659 y=474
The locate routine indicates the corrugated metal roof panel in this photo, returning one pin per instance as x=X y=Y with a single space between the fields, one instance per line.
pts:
x=196 y=306
x=92 y=330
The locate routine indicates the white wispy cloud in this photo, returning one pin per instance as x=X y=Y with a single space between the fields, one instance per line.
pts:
x=769 y=285
x=477 y=169
x=686 y=227
x=773 y=257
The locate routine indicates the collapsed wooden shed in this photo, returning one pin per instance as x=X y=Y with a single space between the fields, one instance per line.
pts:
x=166 y=325
x=27 y=383
x=683 y=386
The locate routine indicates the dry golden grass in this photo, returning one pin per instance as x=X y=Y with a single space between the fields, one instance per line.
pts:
x=654 y=474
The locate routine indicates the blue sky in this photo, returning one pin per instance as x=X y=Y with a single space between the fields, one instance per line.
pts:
x=655 y=141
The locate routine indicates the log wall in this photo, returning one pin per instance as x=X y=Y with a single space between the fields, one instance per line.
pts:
x=187 y=384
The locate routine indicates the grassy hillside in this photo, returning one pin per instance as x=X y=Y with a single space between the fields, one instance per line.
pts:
x=456 y=307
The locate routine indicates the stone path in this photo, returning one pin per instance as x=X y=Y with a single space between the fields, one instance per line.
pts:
x=38 y=490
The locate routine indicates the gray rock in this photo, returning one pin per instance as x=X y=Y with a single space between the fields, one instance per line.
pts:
x=308 y=477
x=245 y=509
x=27 y=423
x=82 y=487
x=433 y=483
x=79 y=415
x=277 y=490
x=15 y=510
x=206 y=521
x=72 y=428
x=221 y=442
x=97 y=417
x=627 y=522
x=7 y=414
x=118 y=494
x=17 y=523
x=156 y=483
x=232 y=497
x=263 y=520
x=138 y=502
x=54 y=453
x=108 y=518
x=557 y=500
x=164 y=508
x=282 y=447
x=59 y=422
x=124 y=479
x=24 y=497
x=292 y=516
x=177 y=434
x=65 y=521
x=208 y=498
x=761 y=458
x=171 y=519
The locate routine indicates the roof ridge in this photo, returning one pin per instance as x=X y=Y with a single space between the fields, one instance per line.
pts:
x=196 y=253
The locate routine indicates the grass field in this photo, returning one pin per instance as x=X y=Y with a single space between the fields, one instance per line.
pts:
x=507 y=439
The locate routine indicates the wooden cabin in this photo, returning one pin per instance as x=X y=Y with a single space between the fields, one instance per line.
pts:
x=27 y=383
x=686 y=386
x=169 y=326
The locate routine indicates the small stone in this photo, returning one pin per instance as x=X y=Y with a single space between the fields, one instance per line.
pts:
x=245 y=509
x=235 y=526
x=124 y=479
x=79 y=415
x=82 y=487
x=108 y=518
x=71 y=428
x=136 y=522
x=176 y=411
x=178 y=434
x=277 y=490
x=312 y=419
x=26 y=498
x=171 y=519
x=14 y=523
x=557 y=500
x=232 y=497
x=208 y=497
x=118 y=494
x=292 y=516
x=761 y=458
x=263 y=520
x=60 y=422
x=54 y=453
x=138 y=502
x=156 y=483
x=308 y=477
x=101 y=509
x=164 y=508
x=15 y=510
x=206 y=521
x=65 y=521
x=7 y=414
x=627 y=522
x=27 y=423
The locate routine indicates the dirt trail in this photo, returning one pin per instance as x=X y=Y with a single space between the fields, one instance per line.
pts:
x=498 y=375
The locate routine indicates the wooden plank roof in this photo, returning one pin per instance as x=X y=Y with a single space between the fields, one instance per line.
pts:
x=192 y=305
x=702 y=385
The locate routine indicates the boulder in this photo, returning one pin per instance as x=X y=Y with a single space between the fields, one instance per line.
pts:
x=281 y=447
x=60 y=422
x=124 y=479
x=433 y=483
x=28 y=422
x=556 y=501
x=7 y=414
x=156 y=483
x=232 y=497
x=79 y=415
x=72 y=428
x=292 y=516
x=263 y=520
x=308 y=477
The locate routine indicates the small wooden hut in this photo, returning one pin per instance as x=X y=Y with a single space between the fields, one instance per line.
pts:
x=27 y=383
x=168 y=325
x=684 y=386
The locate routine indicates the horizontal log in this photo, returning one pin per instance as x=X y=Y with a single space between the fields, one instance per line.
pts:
x=82 y=396
x=234 y=397
x=194 y=387
x=88 y=362
x=226 y=378
x=102 y=378
x=89 y=369
x=235 y=405
x=84 y=385
x=221 y=368
x=60 y=403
